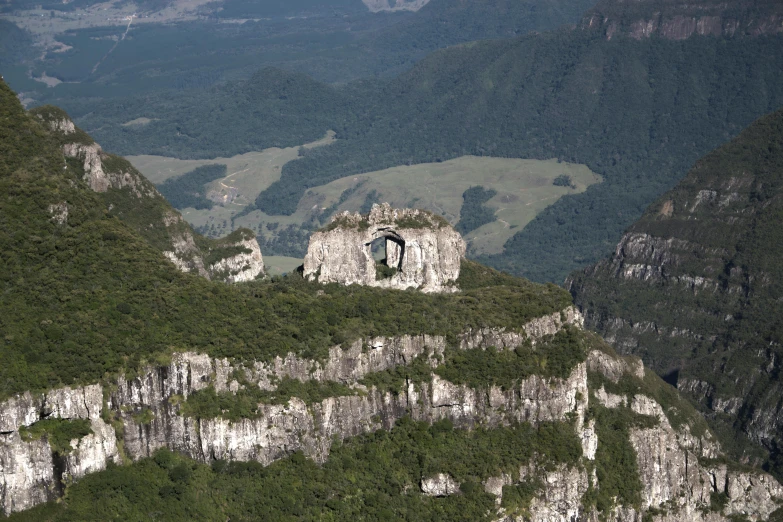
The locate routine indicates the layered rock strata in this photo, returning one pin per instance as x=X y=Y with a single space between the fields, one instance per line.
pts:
x=679 y=19
x=675 y=477
x=422 y=250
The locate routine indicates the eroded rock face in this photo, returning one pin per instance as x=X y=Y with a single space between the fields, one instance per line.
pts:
x=440 y=485
x=422 y=250
x=677 y=484
x=27 y=468
x=241 y=267
x=679 y=19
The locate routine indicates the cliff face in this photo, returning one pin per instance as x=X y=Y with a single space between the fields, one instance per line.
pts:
x=146 y=413
x=678 y=19
x=422 y=250
x=695 y=287
x=133 y=199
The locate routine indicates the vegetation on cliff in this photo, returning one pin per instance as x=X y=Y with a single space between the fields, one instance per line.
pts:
x=370 y=477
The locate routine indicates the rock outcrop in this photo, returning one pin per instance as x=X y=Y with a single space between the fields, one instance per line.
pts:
x=30 y=471
x=243 y=266
x=677 y=481
x=422 y=250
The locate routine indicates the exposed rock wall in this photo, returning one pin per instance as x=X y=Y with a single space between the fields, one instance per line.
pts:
x=241 y=267
x=148 y=407
x=27 y=468
x=423 y=250
x=679 y=19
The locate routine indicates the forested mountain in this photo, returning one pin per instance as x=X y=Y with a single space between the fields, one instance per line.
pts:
x=695 y=287
x=637 y=112
x=132 y=390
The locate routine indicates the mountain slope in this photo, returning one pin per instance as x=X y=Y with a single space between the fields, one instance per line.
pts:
x=134 y=200
x=695 y=286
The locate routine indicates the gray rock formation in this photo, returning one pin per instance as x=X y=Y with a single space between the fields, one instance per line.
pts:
x=27 y=468
x=680 y=19
x=440 y=485
x=422 y=250
x=244 y=266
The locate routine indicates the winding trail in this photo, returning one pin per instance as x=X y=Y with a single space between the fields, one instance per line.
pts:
x=130 y=21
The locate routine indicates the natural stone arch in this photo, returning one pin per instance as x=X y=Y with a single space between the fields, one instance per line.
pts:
x=394 y=246
x=424 y=249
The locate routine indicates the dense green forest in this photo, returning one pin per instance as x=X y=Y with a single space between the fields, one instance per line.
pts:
x=474 y=213
x=636 y=112
x=719 y=279
x=189 y=189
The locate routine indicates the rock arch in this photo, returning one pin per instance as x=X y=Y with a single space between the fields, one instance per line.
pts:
x=422 y=248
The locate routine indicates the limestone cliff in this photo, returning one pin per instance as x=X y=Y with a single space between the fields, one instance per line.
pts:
x=145 y=412
x=679 y=19
x=422 y=250
x=133 y=199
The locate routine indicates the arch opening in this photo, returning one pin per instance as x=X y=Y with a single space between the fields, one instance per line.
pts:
x=388 y=251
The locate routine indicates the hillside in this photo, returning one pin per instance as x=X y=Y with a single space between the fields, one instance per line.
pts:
x=131 y=388
x=694 y=287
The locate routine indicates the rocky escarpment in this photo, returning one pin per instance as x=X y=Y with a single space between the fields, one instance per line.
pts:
x=31 y=472
x=146 y=413
x=422 y=250
x=678 y=20
x=133 y=199
x=694 y=287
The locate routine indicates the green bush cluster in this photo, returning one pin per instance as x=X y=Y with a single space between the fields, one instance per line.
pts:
x=244 y=404
x=58 y=432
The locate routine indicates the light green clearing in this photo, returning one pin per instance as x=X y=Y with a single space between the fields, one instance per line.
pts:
x=524 y=188
x=278 y=265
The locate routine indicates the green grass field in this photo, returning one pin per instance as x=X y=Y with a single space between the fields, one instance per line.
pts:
x=524 y=188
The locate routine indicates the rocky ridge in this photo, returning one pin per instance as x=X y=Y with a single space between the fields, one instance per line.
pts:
x=143 y=413
x=678 y=19
x=694 y=287
x=132 y=198
x=422 y=250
